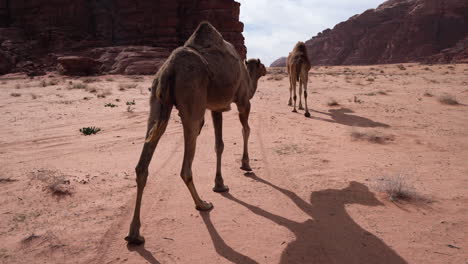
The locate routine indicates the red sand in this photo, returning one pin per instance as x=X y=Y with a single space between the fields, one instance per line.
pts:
x=312 y=197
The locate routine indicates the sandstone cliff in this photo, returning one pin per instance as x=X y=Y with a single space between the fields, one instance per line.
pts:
x=139 y=32
x=397 y=31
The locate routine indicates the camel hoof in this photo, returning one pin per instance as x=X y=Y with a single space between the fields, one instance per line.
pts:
x=290 y=104
x=204 y=207
x=246 y=168
x=307 y=114
x=294 y=111
x=135 y=240
x=221 y=189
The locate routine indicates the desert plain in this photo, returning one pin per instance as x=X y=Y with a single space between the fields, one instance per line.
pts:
x=320 y=190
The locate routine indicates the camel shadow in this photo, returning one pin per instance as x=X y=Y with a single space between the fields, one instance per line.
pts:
x=331 y=235
x=342 y=116
x=148 y=256
x=221 y=247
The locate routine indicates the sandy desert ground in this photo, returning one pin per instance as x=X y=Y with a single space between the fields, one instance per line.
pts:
x=317 y=193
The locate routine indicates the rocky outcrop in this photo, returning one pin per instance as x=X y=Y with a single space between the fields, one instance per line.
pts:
x=281 y=62
x=78 y=65
x=137 y=31
x=395 y=32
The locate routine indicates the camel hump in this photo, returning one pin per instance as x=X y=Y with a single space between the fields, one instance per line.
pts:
x=205 y=37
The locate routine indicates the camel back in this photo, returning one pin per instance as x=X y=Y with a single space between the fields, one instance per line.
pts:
x=300 y=53
x=222 y=58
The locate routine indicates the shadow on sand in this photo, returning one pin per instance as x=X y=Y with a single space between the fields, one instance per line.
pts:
x=148 y=256
x=330 y=236
x=343 y=116
x=221 y=247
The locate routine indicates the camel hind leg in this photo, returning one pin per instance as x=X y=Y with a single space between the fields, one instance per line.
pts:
x=191 y=131
x=300 y=94
x=157 y=123
x=307 y=113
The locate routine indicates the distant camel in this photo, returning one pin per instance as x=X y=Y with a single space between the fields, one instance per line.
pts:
x=298 y=69
x=205 y=73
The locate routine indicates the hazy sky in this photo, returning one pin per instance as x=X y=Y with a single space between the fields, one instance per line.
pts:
x=272 y=27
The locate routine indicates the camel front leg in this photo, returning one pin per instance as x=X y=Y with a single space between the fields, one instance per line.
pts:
x=191 y=131
x=307 y=114
x=290 y=91
x=244 y=112
x=300 y=95
x=218 y=128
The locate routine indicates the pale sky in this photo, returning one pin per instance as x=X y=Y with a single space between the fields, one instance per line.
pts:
x=272 y=27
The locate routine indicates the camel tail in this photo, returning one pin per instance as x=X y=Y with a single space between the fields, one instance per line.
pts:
x=161 y=105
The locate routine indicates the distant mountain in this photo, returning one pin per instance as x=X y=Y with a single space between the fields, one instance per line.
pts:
x=281 y=62
x=397 y=31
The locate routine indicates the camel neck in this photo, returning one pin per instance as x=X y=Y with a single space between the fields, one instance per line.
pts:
x=253 y=84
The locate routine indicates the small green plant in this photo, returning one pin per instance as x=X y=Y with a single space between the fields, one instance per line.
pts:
x=87 y=131
x=110 y=79
x=131 y=103
x=111 y=105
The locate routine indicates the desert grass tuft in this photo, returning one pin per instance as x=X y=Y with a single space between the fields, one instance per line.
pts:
x=371 y=136
x=448 y=99
x=396 y=187
x=332 y=102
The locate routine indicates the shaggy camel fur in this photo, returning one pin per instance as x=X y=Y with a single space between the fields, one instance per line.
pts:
x=205 y=73
x=298 y=69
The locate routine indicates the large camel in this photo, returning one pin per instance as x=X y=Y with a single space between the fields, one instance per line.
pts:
x=205 y=73
x=298 y=69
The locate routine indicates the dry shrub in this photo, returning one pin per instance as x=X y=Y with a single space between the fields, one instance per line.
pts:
x=428 y=94
x=401 y=67
x=34 y=96
x=54 y=182
x=15 y=94
x=7 y=180
x=448 y=99
x=372 y=136
x=91 y=89
x=381 y=92
x=78 y=86
x=136 y=78
x=332 y=102
x=397 y=187
x=123 y=87
x=104 y=94
x=90 y=80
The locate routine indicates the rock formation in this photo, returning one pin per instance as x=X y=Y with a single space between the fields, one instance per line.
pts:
x=125 y=36
x=395 y=32
x=281 y=62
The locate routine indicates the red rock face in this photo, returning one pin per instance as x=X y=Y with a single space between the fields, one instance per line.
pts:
x=75 y=27
x=397 y=31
